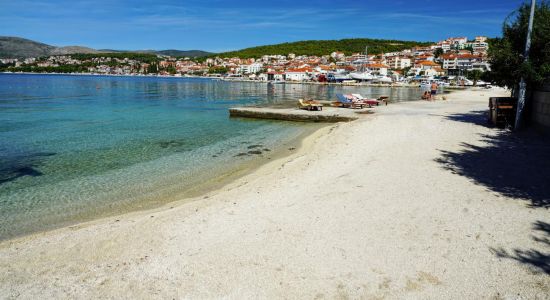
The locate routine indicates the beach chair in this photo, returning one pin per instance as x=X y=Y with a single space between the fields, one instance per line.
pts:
x=345 y=101
x=369 y=102
x=309 y=105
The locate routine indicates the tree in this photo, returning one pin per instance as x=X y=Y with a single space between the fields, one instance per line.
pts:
x=506 y=53
x=217 y=70
x=474 y=75
x=406 y=71
x=438 y=52
x=153 y=68
x=171 y=69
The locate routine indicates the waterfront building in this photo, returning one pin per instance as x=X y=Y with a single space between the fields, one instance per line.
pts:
x=299 y=74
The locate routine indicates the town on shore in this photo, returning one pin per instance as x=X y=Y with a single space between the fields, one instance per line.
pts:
x=455 y=61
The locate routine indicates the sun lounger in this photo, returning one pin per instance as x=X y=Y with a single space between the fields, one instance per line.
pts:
x=369 y=102
x=309 y=105
x=345 y=101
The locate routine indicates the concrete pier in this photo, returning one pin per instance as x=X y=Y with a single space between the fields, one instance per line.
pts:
x=328 y=114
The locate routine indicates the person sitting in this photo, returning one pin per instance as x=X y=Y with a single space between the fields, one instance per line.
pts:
x=426 y=95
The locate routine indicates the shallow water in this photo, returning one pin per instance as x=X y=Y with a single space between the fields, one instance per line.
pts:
x=77 y=147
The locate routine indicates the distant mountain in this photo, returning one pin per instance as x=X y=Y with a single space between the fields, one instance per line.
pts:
x=324 y=47
x=72 y=50
x=187 y=53
x=15 y=47
x=170 y=52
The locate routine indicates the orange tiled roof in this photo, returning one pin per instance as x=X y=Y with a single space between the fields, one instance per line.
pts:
x=299 y=70
x=428 y=63
x=378 y=66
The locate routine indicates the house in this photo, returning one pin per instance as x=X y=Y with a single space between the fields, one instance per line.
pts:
x=277 y=76
x=457 y=42
x=427 y=64
x=378 y=68
x=466 y=61
x=482 y=66
x=480 y=44
x=298 y=74
x=456 y=63
x=424 y=57
x=420 y=50
x=322 y=69
x=250 y=69
x=397 y=62
x=338 y=55
x=449 y=61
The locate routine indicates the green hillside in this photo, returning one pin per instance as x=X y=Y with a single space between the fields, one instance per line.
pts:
x=324 y=47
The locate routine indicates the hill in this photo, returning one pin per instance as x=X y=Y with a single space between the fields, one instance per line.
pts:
x=15 y=47
x=324 y=47
x=170 y=52
x=72 y=50
x=187 y=53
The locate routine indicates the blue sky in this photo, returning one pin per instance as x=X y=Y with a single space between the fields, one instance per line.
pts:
x=220 y=25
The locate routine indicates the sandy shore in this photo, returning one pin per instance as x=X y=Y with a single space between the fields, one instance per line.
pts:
x=387 y=206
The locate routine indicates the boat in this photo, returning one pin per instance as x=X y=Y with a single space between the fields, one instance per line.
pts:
x=382 y=79
x=337 y=77
x=363 y=74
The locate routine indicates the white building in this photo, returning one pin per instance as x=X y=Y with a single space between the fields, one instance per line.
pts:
x=449 y=61
x=397 y=63
x=338 y=55
x=250 y=69
x=378 y=69
x=466 y=61
x=457 y=42
x=301 y=74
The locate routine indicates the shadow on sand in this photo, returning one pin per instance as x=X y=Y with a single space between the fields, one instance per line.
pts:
x=516 y=165
x=536 y=259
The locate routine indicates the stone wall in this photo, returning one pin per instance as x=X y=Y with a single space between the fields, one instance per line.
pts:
x=540 y=109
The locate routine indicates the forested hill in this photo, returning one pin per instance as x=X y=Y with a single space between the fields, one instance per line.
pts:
x=324 y=47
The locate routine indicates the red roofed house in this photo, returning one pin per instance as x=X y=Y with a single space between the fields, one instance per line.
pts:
x=426 y=64
x=299 y=74
x=378 y=68
x=449 y=61
x=466 y=61
x=430 y=68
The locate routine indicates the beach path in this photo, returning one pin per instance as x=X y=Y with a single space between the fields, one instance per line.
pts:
x=420 y=200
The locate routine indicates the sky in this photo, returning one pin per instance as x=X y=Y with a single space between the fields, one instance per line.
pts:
x=223 y=25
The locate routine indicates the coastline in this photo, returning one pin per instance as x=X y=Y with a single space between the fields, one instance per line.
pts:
x=358 y=84
x=199 y=193
x=360 y=209
x=180 y=192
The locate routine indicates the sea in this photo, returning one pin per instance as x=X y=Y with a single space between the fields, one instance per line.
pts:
x=75 y=148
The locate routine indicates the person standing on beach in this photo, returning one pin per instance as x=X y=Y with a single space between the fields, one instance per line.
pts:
x=434 y=90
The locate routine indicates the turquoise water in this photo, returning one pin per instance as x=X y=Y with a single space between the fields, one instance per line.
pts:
x=77 y=147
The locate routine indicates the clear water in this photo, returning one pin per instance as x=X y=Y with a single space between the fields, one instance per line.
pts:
x=77 y=147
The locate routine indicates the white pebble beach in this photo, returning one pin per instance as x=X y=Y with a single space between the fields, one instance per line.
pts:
x=363 y=210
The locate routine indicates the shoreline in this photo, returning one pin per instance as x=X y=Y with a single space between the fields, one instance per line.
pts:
x=366 y=209
x=175 y=194
x=199 y=193
x=357 y=84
